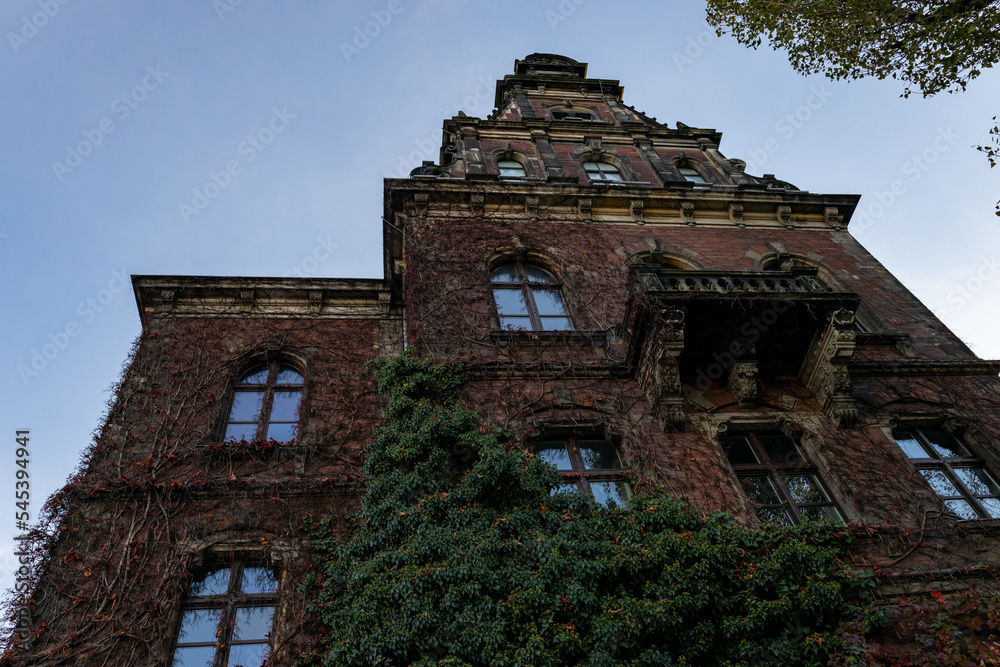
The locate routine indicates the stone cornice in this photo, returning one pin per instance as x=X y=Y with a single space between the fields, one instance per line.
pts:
x=204 y=296
x=872 y=368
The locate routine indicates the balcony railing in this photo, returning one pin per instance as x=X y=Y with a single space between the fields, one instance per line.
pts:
x=731 y=282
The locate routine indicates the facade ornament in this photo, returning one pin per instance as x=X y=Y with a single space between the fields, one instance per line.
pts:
x=658 y=373
x=246 y=298
x=742 y=382
x=784 y=214
x=736 y=214
x=832 y=217
x=531 y=206
x=315 y=301
x=687 y=213
x=824 y=369
x=477 y=202
x=420 y=201
x=585 y=206
x=635 y=208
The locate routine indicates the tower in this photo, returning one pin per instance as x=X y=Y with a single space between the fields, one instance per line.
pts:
x=623 y=298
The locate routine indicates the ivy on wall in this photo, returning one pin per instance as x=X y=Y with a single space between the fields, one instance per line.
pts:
x=461 y=555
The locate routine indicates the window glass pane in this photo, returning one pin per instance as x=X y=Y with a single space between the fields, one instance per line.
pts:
x=241 y=432
x=288 y=375
x=612 y=176
x=776 y=514
x=821 y=513
x=911 y=446
x=510 y=302
x=285 y=406
x=804 y=489
x=608 y=168
x=537 y=275
x=199 y=625
x=940 y=482
x=548 y=302
x=515 y=323
x=780 y=448
x=962 y=509
x=246 y=406
x=556 y=324
x=510 y=168
x=945 y=444
x=759 y=490
x=598 y=455
x=282 y=432
x=610 y=494
x=258 y=579
x=591 y=166
x=194 y=656
x=564 y=488
x=213 y=583
x=255 y=376
x=738 y=449
x=253 y=623
x=978 y=481
x=554 y=453
x=690 y=174
x=248 y=655
x=992 y=506
x=505 y=274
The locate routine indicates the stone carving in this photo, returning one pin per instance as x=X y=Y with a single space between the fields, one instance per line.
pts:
x=585 y=206
x=420 y=201
x=246 y=297
x=315 y=301
x=531 y=206
x=824 y=369
x=476 y=202
x=687 y=213
x=658 y=373
x=784 y=214
x=832 y=216
x=635 y=207
x=736 y=214
x=742 y=382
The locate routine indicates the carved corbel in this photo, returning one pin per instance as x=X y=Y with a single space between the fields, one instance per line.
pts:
x=246 y=299
x=477 y=201
x=384 y=301
x=635 y=208
x=784 y=214
x=585 y=206
x=824 y=369
x=167 y=299
x=736 y=214
x=531 y=206
x=315 y=301
x=420 y=201
x=687 y=213
x=832 y=217
x=742 y=382
x=658 y=373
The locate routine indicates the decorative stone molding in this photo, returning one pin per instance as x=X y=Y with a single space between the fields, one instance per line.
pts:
x=531 y=206
x=167 y=298
x=832 y=217
x=742 y=382
x=736 y=214
x=420 y=202
x=824 y=369
x=635 y=208
x=246 y=299
x=477 y=201
x=384 y=299
x=687 y=213
x=658 y=373
x=585 y=206
x=315 y=301
x=784 y=214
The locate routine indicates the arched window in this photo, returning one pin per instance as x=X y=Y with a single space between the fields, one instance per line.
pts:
x=588 y=466
x=528 y=297
x=266 y=404
x=599 y=172
x=575 y=113
x=691 y=175
x=510 y=169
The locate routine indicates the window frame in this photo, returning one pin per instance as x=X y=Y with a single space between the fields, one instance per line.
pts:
x=946 y=465
x=698 y=178
x=602 y=180
x=501 y=175
x=574 y=115
x=578 y=474
x=269 y=387
x=774 y=472
x=228 y=604
x=527 y=288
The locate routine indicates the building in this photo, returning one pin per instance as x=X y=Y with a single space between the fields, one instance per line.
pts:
x=622 y=296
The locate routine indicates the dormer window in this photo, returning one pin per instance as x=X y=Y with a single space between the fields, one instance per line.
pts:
x=510 y=169
x=692 y=176
x=599 y=172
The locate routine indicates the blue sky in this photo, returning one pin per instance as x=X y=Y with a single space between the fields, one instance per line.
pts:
x=288 y=115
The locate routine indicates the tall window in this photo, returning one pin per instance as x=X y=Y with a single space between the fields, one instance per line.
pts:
x=528 y=297
x=602 y=172
x=510 y=169
x=226 y=619
x=587 y=466
x=963 y=482
x=781 y=484
x=266 y=404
